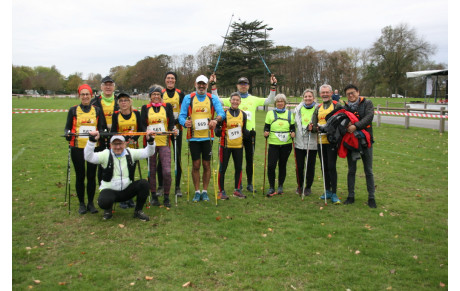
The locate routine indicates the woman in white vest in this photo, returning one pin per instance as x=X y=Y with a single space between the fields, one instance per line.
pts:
x=305 y=142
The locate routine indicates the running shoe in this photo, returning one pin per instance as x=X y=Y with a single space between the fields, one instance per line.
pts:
x=204 y=196
x=141 y=215
x=237 y=193
x=222 y=195
x=271 y=192
x=197 y=197
x=335 y=199
x=328 y=195
x=280 y=190
x=371 y=203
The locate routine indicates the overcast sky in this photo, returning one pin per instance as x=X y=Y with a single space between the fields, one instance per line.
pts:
x=94 y=36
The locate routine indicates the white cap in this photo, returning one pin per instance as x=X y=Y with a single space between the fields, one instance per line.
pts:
x=115 y=137
x=202 y=78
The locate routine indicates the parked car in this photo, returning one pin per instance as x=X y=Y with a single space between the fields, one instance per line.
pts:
x=396 y=95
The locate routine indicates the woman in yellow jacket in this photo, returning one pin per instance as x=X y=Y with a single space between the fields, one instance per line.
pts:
x=280 y=130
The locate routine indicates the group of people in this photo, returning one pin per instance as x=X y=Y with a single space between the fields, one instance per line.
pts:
x=92 y=128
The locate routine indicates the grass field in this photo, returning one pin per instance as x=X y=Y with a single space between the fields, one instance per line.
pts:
x=279 y=243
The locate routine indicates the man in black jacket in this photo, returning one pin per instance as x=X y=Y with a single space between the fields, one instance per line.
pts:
x=364 y=110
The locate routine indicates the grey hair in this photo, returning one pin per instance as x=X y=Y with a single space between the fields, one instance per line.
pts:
x=281 y=97
x=309 y=90
x=326 y=86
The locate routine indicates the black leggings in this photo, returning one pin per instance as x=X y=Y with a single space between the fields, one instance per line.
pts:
x=79 y=162
x=277 y=153
x=249 y=156
x=224 y=157
x=139 y=188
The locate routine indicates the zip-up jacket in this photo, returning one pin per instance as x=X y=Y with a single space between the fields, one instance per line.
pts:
x=301 y=136
x=120 y=178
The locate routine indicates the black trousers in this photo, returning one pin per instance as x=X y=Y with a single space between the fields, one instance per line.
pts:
x=329 y=153
x=277 y=154
x=249 y=156
x=224 y=158
x=301 y=156
x=178 y=151
x=139 y=188
x=78 y=160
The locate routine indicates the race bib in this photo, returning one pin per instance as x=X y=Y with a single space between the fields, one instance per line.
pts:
x=159 y=127
x=282 y=136
x=248 y=114
x=201 y=124
x=86 y=129
x=234 y=133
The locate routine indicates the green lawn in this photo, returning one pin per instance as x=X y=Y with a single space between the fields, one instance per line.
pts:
x=279 y=243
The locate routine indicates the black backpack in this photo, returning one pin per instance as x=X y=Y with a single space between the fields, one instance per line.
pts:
x=336 y=127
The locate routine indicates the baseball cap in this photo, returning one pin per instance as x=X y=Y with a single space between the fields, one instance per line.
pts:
x=123 y=94
x=107 y=79
x=202 y=78
x=115 y=137
x=243 y=80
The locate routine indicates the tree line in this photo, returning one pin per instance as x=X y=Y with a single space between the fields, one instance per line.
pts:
x=248 y=51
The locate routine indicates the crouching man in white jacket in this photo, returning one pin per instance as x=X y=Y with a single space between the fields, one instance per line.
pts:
x=118 y=164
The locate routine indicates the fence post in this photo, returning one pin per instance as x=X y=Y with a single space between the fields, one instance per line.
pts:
x=442 y=121
x=407 y=117
x=378 y=115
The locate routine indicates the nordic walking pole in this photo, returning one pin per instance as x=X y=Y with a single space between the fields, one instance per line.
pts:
x=137 y=162
x=212 y=161
x=306 y=164
x=322 y=166
x=67 y=185
x=188 y=168
x=296 y=168
x=175 y=163
x=218 y=59
x=265 y=164
x=188 y=172
x=253 y=171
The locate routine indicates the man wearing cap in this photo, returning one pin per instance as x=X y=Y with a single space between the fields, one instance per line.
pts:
x=197 y=115
x=106 y=101
x=173 y=96
x=249 y=105
x=118 y=164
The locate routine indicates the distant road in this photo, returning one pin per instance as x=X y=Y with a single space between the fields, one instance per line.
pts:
x=413 y=122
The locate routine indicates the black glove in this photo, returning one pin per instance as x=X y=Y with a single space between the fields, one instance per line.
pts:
x=68 y=137
x=252 y=133
x=218 y=131
x=150 y=139
x=246 y=134
x=92 y=138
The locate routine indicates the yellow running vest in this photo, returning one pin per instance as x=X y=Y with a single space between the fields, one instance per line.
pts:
x=175 y=103
x=108 y=111
x=85 y=122
x=129 y=125
x=158 y=122
x=322 y=113
x=234 y=130
x=201 y=113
